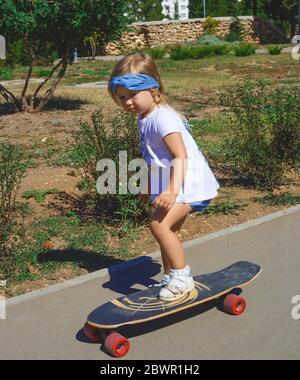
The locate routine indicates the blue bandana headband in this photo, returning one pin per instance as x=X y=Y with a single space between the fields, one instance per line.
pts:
x=133 y=82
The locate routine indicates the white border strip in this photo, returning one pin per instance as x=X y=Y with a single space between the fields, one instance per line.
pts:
x=117 y=267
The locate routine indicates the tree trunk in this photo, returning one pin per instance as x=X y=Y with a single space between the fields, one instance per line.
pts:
x=43 y=83
x=293 y=26
x=10 y=98
x=24 y=103
x=50 y=92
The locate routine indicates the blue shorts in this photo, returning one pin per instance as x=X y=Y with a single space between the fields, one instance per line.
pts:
x=199 y=206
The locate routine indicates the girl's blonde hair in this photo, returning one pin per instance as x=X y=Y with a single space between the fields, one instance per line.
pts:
x=138 y=63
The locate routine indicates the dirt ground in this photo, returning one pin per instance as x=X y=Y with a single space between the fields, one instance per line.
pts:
x=48 y=133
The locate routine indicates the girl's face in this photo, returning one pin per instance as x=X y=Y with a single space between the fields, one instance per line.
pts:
x=137 y=102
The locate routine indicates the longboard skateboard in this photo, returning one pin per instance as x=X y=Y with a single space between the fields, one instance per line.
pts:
x=145 y=305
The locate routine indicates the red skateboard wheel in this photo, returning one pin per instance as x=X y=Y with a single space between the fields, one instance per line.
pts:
x=117 y=344
x=234 y=304
x=92 y=333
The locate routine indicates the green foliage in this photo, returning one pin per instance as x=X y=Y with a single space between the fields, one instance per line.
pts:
x=62 y=23
x=39 y=195
x=210 y=25
x=210 y=39
x=41 y=30
x=105 y=139
x=12 y=170
x=156 y=52
x=283 y=113
x=244 y=50
x=219 y=8
x=275 y=50
x=224 y=208
x=235 y=32
x=197 y=52
x=146 y=10
x=93 y=142
x=5 y=73
x=264 y=132
x=41 y=72
x=17 y=53
x=233 y=37
x=284 y=199
x=283 y=13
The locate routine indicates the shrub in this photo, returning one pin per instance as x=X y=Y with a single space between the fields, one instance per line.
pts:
x=210 y=25
x=12 y=170
x=233 y=37
x=5 y=73
x=197 y=52
x=275 y=50
x=104 y=139
x=156 y=52
x=264 y=132
x=178 y=52
x=209 y=39
x=244 y=50
x=41 y=72
x=283 y=113
x=248 y=145
x=235 y=31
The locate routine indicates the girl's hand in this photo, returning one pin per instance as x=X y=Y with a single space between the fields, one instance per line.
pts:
x=165 y=201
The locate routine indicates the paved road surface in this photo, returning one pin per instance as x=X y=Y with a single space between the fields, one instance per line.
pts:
x=49 y=327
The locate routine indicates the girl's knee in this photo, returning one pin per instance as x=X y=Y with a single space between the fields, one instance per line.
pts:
x=158 y=228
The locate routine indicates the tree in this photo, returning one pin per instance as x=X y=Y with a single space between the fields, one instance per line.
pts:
x=145 y=10
x=61 y=24
x=215 y=8
x=282 y=11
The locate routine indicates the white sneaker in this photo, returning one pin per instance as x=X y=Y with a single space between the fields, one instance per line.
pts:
x=164 y=281
x=180 y=284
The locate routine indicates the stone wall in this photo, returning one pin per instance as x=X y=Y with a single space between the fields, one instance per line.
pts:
x=156 y=33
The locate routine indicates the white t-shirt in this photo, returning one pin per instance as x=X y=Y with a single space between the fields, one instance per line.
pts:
x=199 y=183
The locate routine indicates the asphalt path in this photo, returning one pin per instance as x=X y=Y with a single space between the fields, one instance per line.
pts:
x=49 y=325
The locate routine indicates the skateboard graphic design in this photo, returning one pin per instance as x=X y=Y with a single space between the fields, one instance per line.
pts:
x=143 y=306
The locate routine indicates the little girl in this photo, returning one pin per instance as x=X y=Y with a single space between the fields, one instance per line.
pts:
x=181 y=180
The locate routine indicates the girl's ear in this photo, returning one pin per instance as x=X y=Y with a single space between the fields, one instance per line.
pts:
x=156 y=95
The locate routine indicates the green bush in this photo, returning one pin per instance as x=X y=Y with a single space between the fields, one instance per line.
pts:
x=235 y=31
x=5 y=73
x=264 y=132
x=156 y=52
x=275 y=50
x=40 y=195
x=197 y=52
x=41 y=72
x=233 y=37
x=178 y=52
x=18 y=55
x=104 y=139
x=248 y=146
x=244 y=50
x=283 y=114
x=12 y=170
x=221 y=50
x=284 y=199
x=210 y=25
x=209 y=39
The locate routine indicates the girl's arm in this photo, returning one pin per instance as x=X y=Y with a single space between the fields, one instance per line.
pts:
x=175 y=145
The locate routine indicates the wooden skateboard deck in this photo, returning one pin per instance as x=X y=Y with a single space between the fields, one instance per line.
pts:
x=145 y=305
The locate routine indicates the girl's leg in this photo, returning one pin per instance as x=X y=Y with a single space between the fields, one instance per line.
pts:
x=161 y=224
x=175 y=228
